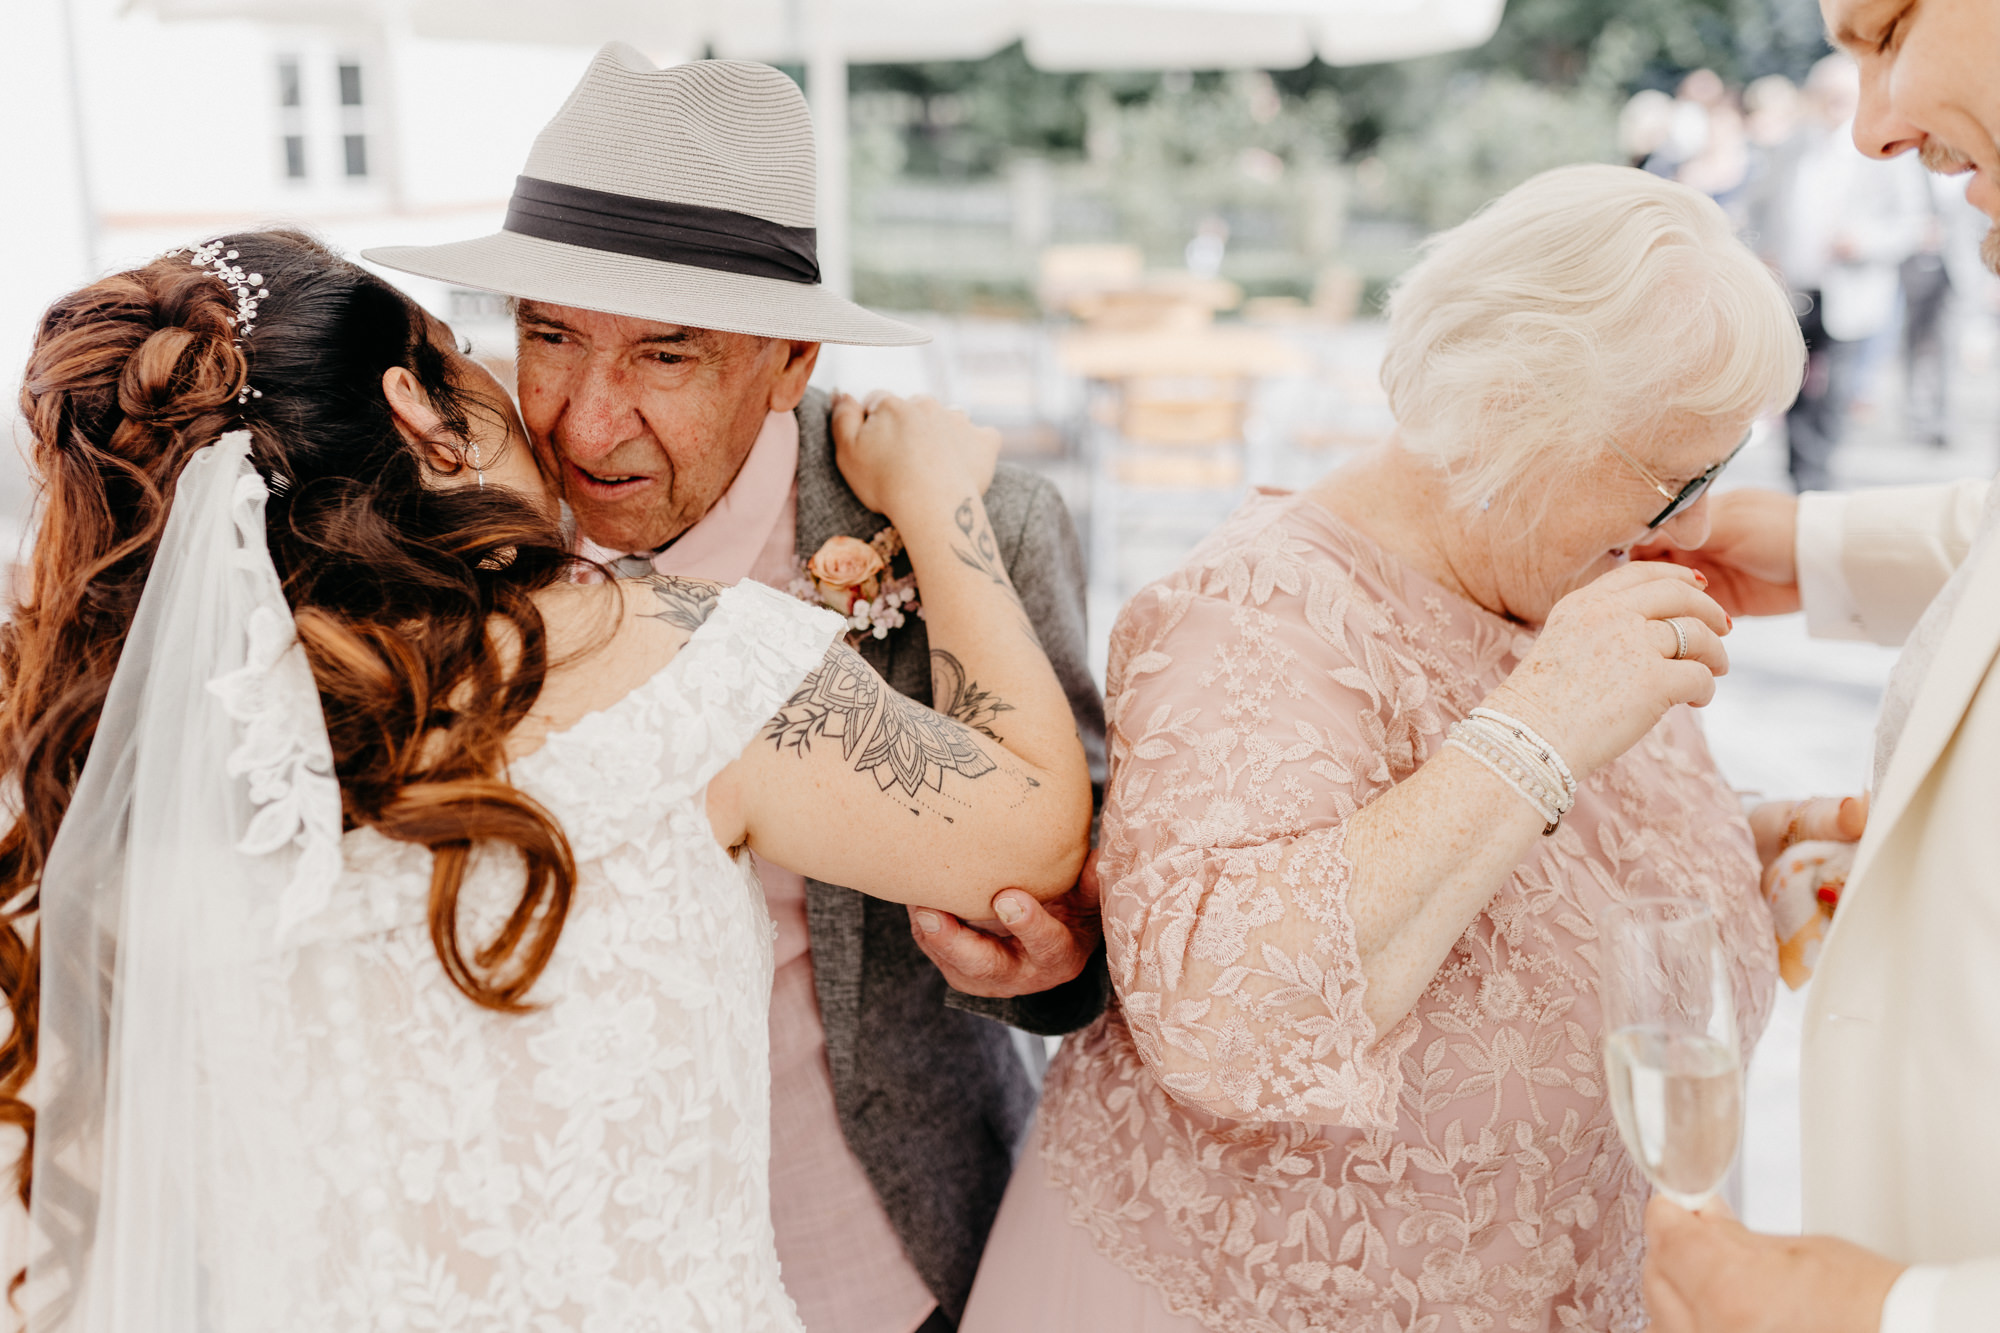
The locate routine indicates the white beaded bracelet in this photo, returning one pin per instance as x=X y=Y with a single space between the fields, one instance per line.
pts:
x=1513 y=752
x=1543 y=751
x=1508 y=771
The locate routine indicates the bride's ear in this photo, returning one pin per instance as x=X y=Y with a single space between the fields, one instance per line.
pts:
x=416 y=419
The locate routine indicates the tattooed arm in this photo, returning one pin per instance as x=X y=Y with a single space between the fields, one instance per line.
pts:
x=853 y=783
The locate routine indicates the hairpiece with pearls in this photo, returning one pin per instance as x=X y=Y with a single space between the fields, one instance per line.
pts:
x=247 y=288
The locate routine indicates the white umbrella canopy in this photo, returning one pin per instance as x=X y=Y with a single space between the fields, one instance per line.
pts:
x=1059 y=34
x=829 y=35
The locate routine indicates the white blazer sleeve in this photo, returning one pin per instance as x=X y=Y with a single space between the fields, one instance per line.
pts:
x=1944 y=1298
x=1870 y=562
x=1970 y=1297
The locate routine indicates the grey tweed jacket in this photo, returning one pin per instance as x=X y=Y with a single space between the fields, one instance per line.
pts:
x=931 y=1095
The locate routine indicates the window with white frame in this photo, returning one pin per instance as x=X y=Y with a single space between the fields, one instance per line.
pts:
x=353 y=121
x=291 y=119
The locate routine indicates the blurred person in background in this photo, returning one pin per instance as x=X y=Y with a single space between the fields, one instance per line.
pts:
x=1351 y=1078
x=1901 y=1060
x=1840 y=236
x=1770 y=111
x=1721 y=170
x=1688 y=126
x=1927 y=289
x=1644 y=125
x=1204 y=253
x=1942 y=282
x=665 y=345
x=1771 y=108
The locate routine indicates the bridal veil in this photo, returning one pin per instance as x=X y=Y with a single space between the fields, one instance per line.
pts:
x=206 y=825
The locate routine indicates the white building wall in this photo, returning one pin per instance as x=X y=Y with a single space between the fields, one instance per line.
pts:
x=183 y=137
x=44 y=226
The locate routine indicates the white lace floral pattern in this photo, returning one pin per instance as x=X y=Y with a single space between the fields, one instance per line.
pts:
x=283 y=750
x=1232 y=1131
x=598 y=1165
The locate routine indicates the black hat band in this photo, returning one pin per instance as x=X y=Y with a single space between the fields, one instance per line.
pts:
x=715 y=238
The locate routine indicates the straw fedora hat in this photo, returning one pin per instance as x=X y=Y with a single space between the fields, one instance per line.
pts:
x=683 y=195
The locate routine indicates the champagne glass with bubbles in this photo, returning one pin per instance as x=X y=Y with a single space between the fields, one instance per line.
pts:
x=1670 y=1047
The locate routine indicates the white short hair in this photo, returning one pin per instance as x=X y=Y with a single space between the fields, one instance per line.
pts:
x=1581 y=306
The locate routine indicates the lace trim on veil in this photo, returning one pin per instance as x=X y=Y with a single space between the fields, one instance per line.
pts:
x=283 y=748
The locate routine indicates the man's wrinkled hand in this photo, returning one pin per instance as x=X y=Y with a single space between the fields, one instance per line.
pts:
x=1705 y=1273
x=1031 y=948
x=1749 y=558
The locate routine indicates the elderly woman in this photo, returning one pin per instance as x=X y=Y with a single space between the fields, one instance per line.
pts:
x=1351 y=1080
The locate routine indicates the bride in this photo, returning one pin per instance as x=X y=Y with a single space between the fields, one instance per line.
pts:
x=391 y=957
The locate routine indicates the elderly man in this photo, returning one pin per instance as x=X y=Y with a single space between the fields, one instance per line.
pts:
x=1902 y=1041
x=660 y=250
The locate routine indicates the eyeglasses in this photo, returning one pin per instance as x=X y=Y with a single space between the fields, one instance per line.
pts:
x=1678 y=501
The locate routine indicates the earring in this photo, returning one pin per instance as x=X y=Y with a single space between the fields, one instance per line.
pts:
x=476 y=470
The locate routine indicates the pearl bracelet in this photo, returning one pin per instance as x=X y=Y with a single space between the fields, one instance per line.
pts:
x=1513 y=752
x=1536 y=745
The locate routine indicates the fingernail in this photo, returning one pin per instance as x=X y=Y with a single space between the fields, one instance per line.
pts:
x=1010 y=909
x=1728 y=622
x=1700 y=579
x=929 y=923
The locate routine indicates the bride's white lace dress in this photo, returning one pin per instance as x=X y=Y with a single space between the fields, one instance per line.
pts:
x=598 y=1164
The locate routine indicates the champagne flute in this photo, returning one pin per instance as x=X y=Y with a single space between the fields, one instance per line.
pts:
x=1671 y=1053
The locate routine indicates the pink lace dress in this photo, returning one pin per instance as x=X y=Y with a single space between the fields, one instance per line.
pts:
x=1232 y=1134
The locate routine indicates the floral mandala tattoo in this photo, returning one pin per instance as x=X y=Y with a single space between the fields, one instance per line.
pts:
x=909 y=750
x=962 y=699
x=684 y=603
x=982 y=554
x=833 y=703
x=914 y=748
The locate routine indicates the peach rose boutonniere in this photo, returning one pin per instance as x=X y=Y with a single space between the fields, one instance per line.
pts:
x=853 y=577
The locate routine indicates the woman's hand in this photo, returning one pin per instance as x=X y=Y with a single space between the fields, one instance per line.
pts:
x=987 y=793
x=1603 y=672
x=897 y=451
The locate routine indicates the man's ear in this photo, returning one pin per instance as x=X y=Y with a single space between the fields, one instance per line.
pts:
x=416 y=420
x=789 y=388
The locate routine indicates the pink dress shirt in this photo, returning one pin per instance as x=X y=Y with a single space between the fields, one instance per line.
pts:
x=843 y=1263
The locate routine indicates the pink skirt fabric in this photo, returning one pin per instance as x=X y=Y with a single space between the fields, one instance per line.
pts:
x=1042 y=1275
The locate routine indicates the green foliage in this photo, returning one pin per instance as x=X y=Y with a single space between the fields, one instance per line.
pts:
x=969 y=118
x=1284 y=157
x=1488 y=136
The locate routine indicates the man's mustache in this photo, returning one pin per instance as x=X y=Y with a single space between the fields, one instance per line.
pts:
x=1943 y=159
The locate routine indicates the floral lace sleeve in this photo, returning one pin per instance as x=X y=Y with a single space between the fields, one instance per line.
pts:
x=1256 y=705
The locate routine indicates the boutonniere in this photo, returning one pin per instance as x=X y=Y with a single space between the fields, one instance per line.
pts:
x=853 y=577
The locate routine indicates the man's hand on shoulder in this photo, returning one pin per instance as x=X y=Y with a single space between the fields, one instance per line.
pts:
x=1750 y=557
x=1043 y=945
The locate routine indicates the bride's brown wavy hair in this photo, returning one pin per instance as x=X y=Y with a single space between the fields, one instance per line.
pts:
x=398 y=585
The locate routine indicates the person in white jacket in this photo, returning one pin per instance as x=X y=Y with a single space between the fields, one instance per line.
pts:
x=1901 y=1086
